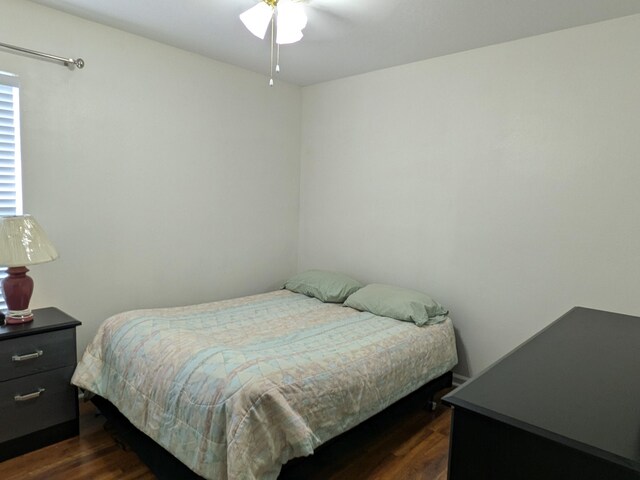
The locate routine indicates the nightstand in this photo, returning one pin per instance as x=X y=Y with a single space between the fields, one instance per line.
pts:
x=38 y=404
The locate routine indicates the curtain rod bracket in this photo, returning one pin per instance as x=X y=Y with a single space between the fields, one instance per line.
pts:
x=78 y=62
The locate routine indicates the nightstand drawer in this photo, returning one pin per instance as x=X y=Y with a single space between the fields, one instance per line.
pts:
x=37 y=353
x=36 y=402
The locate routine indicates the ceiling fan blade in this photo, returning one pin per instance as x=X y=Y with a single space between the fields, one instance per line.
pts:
x=365 y=10
x=334 y=19
x=326 y=25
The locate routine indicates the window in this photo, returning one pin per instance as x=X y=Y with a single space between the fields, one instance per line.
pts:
x=10 y=174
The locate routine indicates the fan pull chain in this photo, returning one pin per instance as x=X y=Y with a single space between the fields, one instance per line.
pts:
x=271 y=66
x=278 y=59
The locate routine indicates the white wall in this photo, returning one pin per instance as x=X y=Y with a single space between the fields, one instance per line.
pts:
x=503 y=181
x=162 y=177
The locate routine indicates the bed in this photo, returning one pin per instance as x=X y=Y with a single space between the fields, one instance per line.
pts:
x=234 y=389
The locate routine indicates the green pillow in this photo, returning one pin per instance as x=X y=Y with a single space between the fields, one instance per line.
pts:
x=325 y=286
x=398 y=303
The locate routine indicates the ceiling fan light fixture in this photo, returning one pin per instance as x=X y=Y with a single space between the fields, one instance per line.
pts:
x=285 y=36
x=291 y=20
x=287 y=19
x=257 y=19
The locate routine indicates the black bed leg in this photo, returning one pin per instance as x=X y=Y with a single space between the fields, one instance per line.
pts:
x=434 y=386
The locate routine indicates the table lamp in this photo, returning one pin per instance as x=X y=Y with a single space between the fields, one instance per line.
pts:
x=22 y=242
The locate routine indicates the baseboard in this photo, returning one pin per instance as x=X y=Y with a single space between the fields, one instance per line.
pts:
x=459 y=379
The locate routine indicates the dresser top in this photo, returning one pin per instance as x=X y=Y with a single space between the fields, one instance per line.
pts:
x=576 y=382
x=44 y=320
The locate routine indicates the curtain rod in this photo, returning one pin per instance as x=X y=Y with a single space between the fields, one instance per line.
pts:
x=69 y=62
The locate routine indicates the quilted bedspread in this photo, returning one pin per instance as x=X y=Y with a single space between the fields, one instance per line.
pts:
x=236 y=388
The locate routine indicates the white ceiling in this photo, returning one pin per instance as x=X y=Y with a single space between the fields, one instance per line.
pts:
x=345 y=37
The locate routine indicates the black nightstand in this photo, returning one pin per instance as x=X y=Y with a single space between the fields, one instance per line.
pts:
x=38 y=404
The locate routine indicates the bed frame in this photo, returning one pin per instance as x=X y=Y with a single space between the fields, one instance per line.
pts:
x=167 y=467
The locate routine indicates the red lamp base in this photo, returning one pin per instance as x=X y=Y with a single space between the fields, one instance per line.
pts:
x=13 y=319
x=17 y=288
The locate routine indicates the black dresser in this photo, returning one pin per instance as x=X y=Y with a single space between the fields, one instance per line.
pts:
x=38 y=405
x=564 y=405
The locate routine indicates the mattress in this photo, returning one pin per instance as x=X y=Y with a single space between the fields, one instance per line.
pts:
x=234 y=389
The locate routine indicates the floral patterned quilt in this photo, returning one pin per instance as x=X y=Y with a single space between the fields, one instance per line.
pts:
x=236 y=388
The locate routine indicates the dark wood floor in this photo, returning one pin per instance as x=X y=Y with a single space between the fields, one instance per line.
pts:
x=405 y=441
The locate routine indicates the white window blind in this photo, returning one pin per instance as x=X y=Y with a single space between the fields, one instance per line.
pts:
x=10 y=173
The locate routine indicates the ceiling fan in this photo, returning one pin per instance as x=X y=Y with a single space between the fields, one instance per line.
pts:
x=288 y=18
x=288 y=15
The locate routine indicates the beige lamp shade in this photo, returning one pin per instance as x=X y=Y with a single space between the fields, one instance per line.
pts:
x=23 y=242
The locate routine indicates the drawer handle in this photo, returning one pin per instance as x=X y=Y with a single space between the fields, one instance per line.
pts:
x=28 y=396
x=28 y=356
